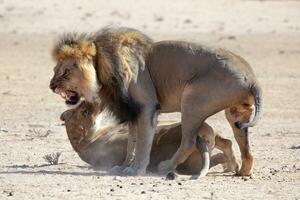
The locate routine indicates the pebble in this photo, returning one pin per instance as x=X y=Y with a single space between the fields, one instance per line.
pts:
x=171 y=176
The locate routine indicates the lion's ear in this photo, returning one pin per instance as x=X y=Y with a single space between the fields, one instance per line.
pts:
x=85 y=113
x=66 y=115
x=62 y=117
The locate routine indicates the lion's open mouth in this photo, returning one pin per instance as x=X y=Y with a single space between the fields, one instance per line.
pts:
x=71 y=97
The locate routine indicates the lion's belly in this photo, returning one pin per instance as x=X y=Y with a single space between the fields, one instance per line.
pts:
x=169 y=98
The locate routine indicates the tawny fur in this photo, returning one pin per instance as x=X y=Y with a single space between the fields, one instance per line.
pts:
x=74 y=46
x=114 y=57
x=137 y=80
x=106 y=147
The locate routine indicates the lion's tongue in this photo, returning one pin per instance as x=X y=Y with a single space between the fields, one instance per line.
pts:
x=70 y=94
x=72 y=98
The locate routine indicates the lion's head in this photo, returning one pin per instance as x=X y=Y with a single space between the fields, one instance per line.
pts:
x=74 y=74
x=81 y=123
x=100 y=67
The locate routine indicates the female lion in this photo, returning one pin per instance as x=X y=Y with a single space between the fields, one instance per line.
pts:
x=105 y=147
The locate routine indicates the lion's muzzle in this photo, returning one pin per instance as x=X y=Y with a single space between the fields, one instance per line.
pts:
x=52 y=85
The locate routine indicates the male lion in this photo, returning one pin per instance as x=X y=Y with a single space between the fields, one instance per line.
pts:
x=135 y=79
x=106 y=147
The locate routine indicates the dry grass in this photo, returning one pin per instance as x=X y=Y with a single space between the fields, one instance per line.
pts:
x=52 y=158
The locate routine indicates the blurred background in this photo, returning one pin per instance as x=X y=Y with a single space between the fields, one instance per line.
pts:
x=266 y=33
x=169 y=16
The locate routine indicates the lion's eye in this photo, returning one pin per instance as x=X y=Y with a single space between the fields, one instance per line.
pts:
x=66 y=73
x=85 y=113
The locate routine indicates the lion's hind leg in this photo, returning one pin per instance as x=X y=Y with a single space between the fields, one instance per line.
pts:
x=242 y=113
x=216 y=159
x=225 y=145
x=196 y=106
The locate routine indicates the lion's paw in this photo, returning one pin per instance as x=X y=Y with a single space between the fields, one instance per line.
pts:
x=231 y=167
x=165 y=166
x=243 y=172
x=246 y=169
x=116 y=170
x=129 y=171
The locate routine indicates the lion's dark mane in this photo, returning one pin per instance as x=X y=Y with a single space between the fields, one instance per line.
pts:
x=114 y=93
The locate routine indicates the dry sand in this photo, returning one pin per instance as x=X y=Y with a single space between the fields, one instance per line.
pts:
x=266 y=33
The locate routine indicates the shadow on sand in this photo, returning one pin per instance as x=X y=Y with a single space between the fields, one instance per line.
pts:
x=25 y=169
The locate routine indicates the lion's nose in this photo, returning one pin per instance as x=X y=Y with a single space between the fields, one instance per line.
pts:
x=52 y=86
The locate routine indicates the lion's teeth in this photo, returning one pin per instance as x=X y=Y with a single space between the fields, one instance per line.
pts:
x=63 y=94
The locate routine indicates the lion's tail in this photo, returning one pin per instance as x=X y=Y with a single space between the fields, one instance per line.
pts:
x=257 y=94
x=202 y=146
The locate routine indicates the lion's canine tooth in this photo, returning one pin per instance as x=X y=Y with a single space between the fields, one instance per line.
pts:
x=63 y=95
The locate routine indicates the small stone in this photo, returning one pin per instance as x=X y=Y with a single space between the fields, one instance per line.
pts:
x=171 y=176
x=3 y=130
x=143 y=192
x=112 y=190
x=187 y=21
x=231 y=37
x=159 y=19
x=88 y=15
x=295 y=146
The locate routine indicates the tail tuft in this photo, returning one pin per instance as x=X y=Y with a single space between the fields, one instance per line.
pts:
x=257 y=94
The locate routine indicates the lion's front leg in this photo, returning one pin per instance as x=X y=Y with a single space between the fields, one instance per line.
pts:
x=132 y=137
x=146 y=124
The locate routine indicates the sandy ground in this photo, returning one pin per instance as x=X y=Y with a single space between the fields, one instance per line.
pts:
x=266 y=33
